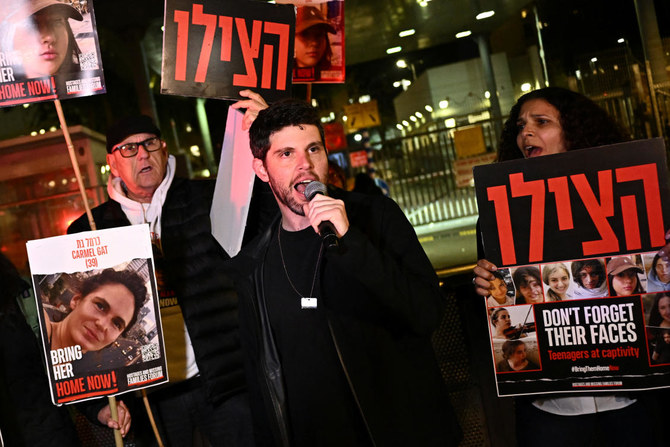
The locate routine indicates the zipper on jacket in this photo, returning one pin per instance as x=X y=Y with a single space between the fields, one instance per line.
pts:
x=351 y=385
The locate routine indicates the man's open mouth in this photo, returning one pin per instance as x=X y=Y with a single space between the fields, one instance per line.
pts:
x=300 y=186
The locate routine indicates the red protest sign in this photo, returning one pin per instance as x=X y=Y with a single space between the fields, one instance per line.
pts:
x=602 y=202
x=576 y=236
x=215 y=49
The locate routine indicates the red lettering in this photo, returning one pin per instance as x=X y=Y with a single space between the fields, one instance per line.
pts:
x=10 y=91
x=559 y=187
x=534 y=189
x=599 y=212
x=250 y=50
x=652 y=197
x=266 y=79
x=99 y=381
x=39 y=87
x=600 y=208
x=498 y=195
x=249 y=45
x=226 y=25
x=182 y=19
x=283 y=31
x=68 y=387
x=209 y=22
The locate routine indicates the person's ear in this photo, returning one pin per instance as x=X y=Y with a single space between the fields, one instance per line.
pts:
x=74 y=301
x=111 y=161
x=259 y=169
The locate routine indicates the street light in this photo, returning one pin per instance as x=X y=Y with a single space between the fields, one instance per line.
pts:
x=485 y=15
x=402 y=63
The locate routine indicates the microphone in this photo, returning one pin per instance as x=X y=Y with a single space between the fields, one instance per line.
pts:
x=326 y=229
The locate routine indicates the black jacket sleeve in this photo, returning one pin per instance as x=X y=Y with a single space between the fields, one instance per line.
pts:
x=382 y=252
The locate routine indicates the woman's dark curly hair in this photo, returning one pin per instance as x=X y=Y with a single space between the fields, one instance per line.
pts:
x=584 y=123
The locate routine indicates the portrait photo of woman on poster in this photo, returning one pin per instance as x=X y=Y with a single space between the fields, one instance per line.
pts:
x=49 y=50
x=556 y=277
x=515 y=357
x=502 y=326
x=623 y=276
x=312 y=46
x=104 y=306
x=502 y=289
x=528 y=282
x=590 y=277
x=657 y=321
x=657 y=313
x=658 y=272
x=105 y=314
x=39 y=34
x=319 y=41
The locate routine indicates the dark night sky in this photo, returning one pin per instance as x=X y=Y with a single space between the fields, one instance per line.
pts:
x=574 y=29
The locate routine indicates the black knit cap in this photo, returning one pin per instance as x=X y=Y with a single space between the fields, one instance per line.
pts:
x=127 y=126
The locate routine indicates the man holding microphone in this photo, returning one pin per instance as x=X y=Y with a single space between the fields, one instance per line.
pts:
x=336 y=334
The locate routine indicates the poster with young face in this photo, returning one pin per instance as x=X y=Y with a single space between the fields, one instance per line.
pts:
x=215 y=49
x=581 y=299
x=48 y=50
x=319 y=41
x=97 y=304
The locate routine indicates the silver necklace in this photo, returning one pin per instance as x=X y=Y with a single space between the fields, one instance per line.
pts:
x=306 y=302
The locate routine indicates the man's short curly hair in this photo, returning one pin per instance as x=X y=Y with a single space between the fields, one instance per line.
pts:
x=584 y=123
x=281 y=114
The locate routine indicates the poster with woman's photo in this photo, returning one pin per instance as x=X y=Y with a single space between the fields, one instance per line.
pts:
x=48 y=50
x=97 y=303
x=582 y=236
x=319 y=41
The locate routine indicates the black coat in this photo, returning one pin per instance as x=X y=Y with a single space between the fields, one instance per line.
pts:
x=382 y=301
x=194 y=263
x=27 y=415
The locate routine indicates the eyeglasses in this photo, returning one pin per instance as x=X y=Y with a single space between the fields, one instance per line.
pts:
x=129 y=150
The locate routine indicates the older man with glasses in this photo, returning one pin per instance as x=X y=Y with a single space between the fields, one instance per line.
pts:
x=198 y=304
